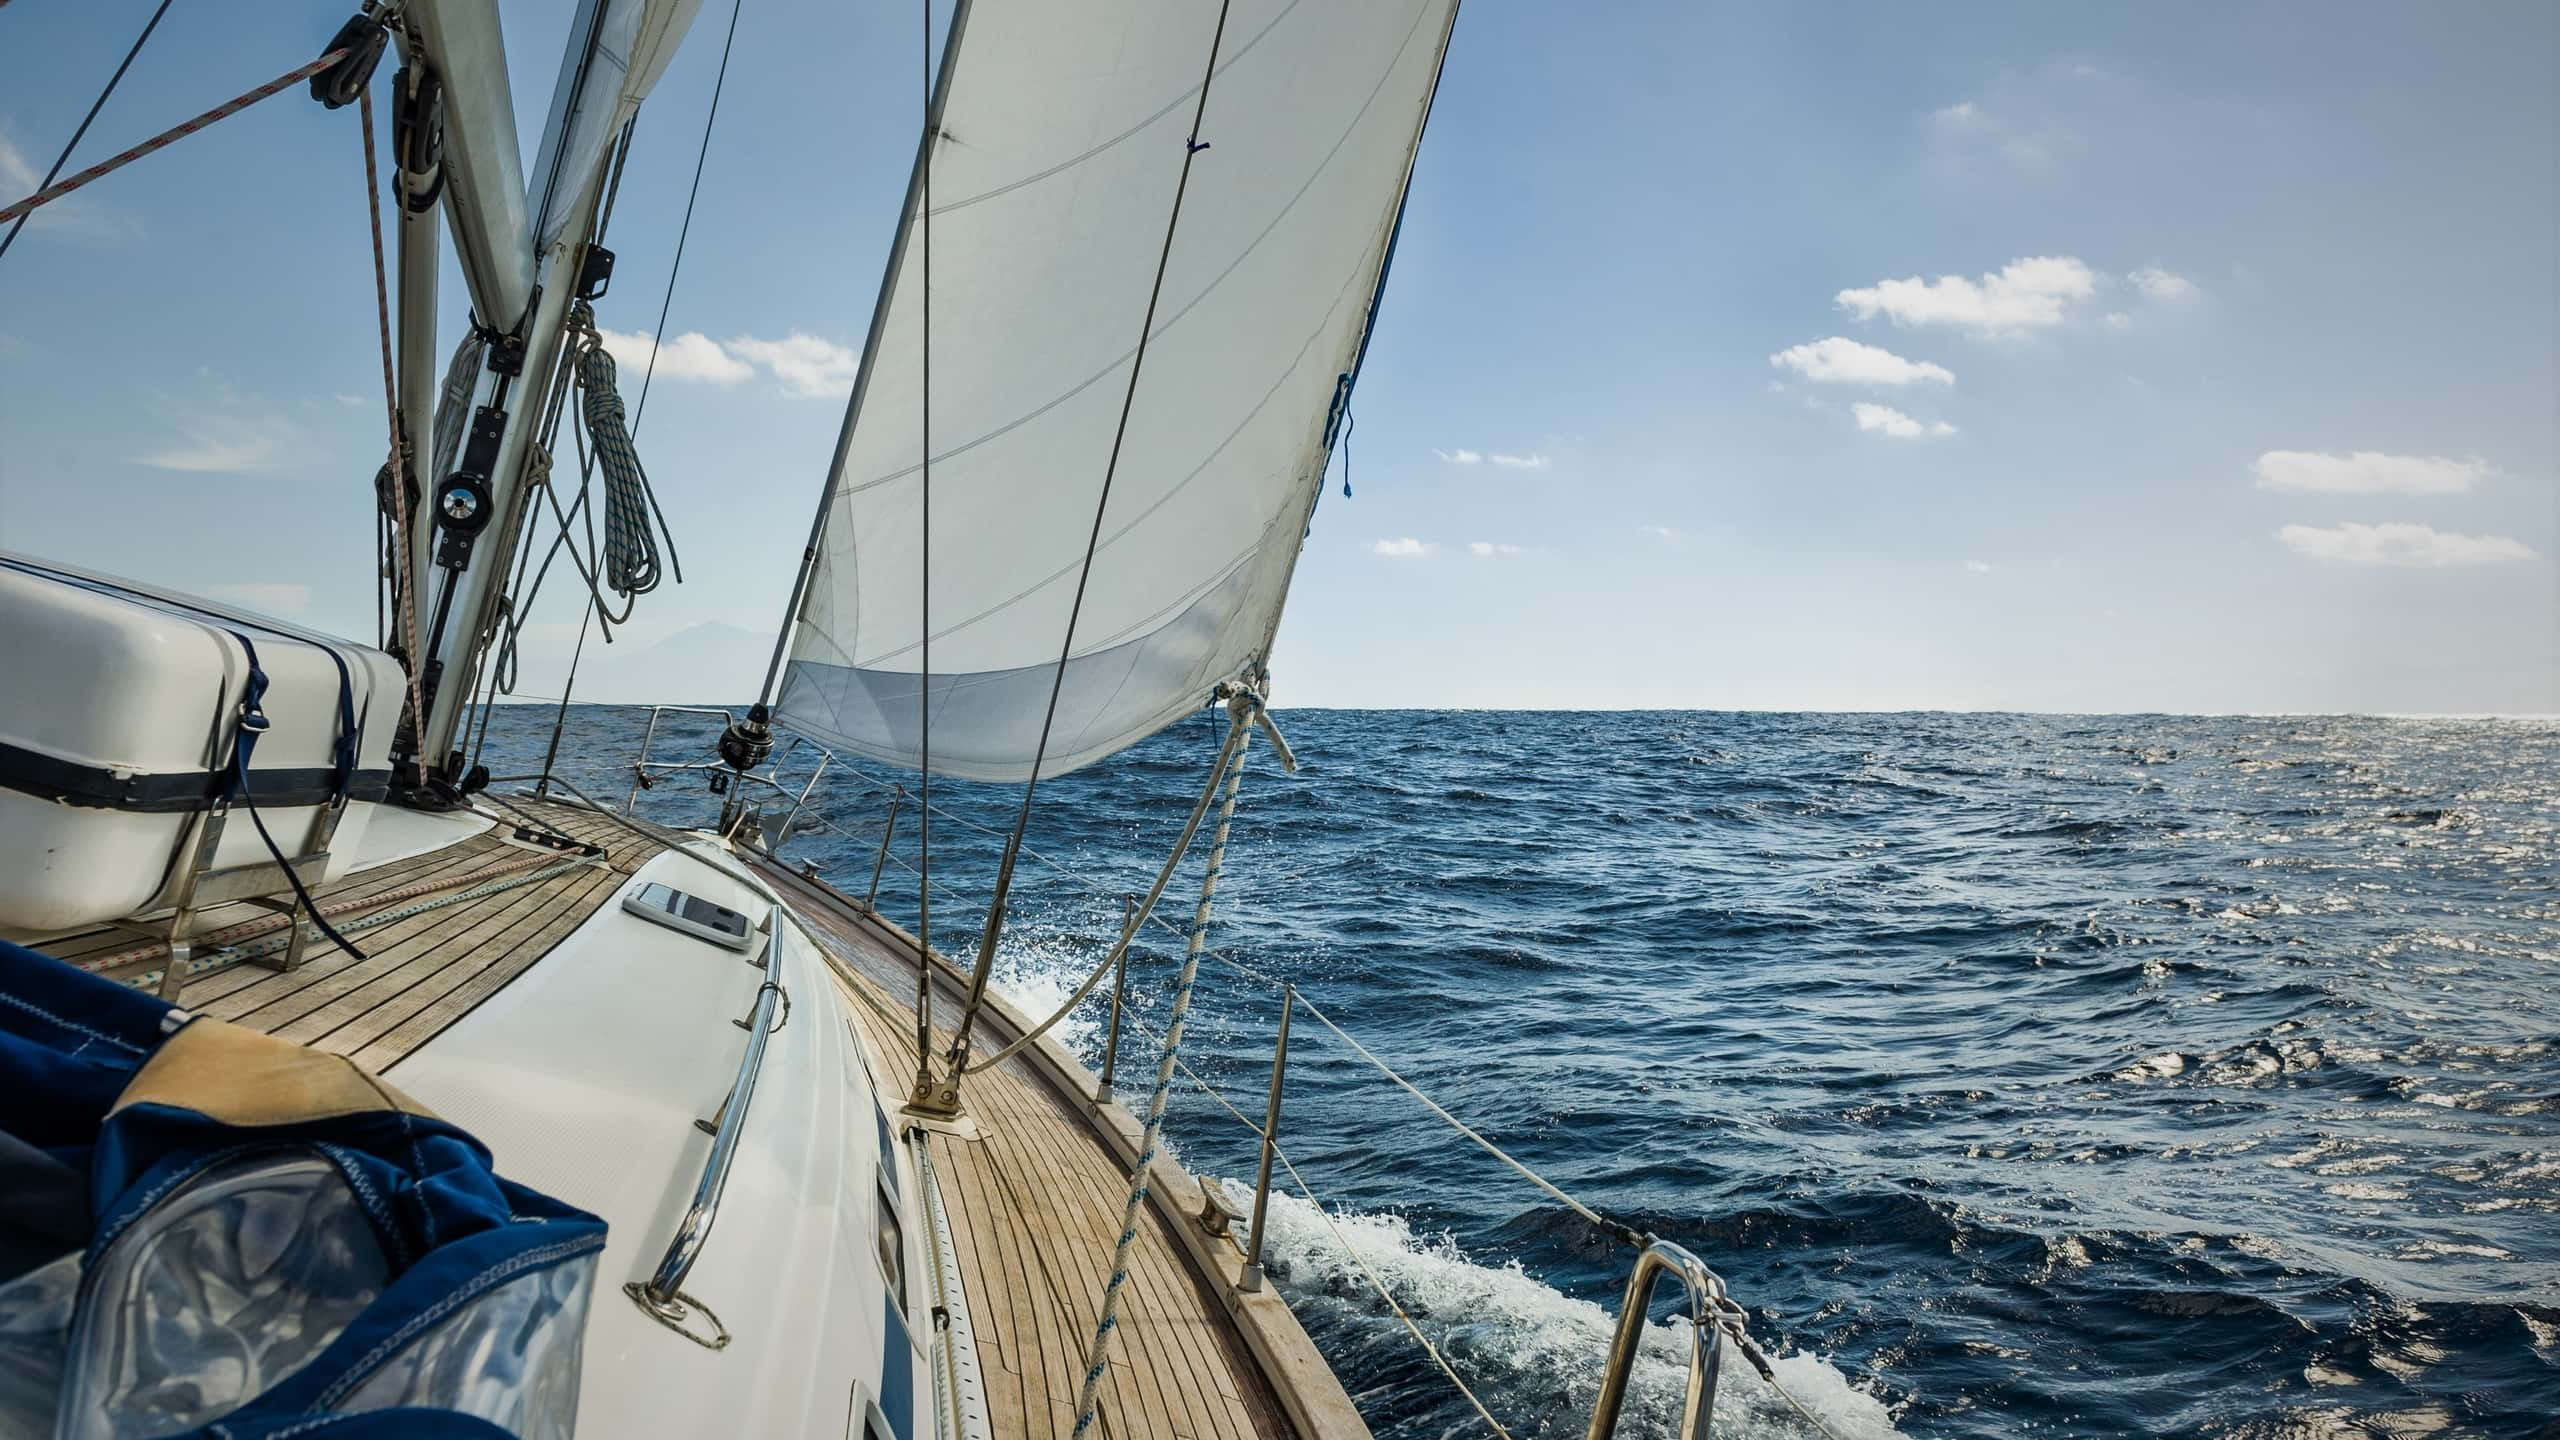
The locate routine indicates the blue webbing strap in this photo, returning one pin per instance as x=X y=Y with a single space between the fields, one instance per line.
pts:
x=254 y=723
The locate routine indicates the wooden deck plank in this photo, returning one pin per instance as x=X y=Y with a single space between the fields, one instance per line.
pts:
x=423 y=972
x=365 y=1014
x=1037 y=1206
x=453 y=934
x=379 y=1047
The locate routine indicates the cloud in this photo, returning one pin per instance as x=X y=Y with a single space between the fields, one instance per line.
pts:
x=1404 y=549
x=1977 y=567
x=805 y=364
x=19 y=177
x=690 y=356
x=226 y=443
x=1507 y=462
x=2366 y=472
x=2401 y=544
x=354 y=401
x=2020 y=127
x=275 y=598
x=1490 y=549
x=1887 y=420
x=1842 y=361
x=2158 y=284
x=2116 y=320
x=2033 y=293
x=1662 y=532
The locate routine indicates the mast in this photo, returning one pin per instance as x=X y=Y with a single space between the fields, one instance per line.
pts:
x=616 y=51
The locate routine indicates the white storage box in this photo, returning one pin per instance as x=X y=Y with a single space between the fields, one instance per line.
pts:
x=118 y=712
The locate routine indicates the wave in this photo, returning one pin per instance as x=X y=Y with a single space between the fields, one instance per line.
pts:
x=1531 y=1353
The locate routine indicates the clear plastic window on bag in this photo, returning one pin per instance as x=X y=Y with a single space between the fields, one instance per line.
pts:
x=509 y=1357
x=232 y=1282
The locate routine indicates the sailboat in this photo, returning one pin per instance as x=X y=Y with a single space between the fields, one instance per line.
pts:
x=348 y=1089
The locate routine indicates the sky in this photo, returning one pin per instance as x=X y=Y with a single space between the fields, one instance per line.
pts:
x=2164 y=358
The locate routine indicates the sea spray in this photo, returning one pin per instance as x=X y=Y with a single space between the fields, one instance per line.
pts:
x=1532 y=1354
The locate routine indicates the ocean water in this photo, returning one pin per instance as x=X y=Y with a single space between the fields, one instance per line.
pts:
x=2022 y=1075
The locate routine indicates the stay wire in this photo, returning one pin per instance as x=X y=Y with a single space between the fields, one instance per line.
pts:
x=701 y=156
x=1192 y=145
x=924 y=608
x=94 y=107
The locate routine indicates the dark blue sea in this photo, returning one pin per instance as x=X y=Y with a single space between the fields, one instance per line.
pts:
x=2022 y=1075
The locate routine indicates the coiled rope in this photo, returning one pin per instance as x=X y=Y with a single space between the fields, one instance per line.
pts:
x=628 y=560
x=1239 y=741
x=631 y=563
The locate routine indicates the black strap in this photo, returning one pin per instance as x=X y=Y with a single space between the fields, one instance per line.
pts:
x=176 y=792
x=253 y=725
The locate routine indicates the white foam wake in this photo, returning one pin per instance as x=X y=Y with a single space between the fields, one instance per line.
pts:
x=1037 y=976
x=1533 y=1354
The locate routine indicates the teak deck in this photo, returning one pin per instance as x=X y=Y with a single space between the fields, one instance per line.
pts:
x=1034 y=1200
x=1035 y=1205
x=419 y=974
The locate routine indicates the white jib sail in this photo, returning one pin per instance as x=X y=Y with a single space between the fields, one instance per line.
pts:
x=1052 y=184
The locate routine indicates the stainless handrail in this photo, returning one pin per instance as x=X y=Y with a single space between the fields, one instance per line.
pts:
x=663 y=1295
x=1707 y=1307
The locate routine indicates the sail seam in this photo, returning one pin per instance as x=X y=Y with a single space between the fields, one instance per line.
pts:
x=1170 y=106
x=1206 y=291
x=1273 y=393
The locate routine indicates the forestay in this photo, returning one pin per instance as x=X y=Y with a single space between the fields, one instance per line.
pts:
x=1052 y=184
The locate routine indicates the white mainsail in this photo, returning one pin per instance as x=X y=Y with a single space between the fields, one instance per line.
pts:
x=1063 y=131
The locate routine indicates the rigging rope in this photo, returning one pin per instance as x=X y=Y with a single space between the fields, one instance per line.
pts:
x=1239 y=743
x=684 y=229
x=640 y=410
x=94 y=107
x=399 y=497
x=1129 y=932
x=170 y=136
x=1192 y=145
x=628 y=561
